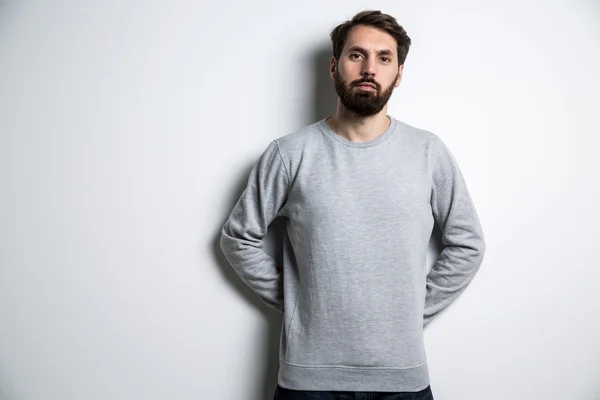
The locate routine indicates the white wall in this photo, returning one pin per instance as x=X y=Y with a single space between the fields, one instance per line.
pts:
x=127 y=132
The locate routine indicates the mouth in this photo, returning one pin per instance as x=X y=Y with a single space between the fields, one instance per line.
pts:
x=367 y=86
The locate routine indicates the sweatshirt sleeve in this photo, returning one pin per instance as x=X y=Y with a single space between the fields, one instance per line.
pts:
x=262 y=200
x=462 y=235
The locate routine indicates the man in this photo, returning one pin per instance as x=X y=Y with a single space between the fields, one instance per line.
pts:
x=360 y=192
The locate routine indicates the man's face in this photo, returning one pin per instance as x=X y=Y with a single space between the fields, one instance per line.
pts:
x=369 y=56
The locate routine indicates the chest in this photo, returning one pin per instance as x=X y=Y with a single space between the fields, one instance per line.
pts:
x=360 y=188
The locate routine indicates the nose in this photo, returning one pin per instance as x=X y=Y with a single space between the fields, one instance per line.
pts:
x=368 y=67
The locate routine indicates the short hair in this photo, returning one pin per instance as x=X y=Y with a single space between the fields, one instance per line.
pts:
x=375 y=19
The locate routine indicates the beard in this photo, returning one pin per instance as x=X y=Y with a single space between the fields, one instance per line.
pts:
x=362 y=103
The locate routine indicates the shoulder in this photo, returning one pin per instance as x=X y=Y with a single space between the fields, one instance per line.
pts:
x=298 y=140
x=420 y=138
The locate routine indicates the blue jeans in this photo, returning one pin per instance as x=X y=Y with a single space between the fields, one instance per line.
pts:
x=282 y=393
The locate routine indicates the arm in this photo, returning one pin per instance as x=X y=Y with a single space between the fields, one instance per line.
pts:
x=462 y=235
x=261 y=202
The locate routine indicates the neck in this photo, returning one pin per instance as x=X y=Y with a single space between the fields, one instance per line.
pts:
x=356 y=128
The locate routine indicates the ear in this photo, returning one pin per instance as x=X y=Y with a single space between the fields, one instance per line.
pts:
x=332 y=67
x=400 y=71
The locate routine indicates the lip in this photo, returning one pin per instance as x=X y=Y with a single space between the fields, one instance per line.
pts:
x=368 y=86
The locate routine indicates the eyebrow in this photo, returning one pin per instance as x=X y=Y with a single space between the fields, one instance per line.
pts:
x=386 y=52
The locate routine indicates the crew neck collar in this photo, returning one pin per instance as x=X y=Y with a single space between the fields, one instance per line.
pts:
x=383 y=137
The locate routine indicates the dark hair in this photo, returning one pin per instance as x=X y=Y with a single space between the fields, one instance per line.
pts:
x=376 y=19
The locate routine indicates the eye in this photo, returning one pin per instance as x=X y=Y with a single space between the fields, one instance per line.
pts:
x=389 y=59
x=354 y=54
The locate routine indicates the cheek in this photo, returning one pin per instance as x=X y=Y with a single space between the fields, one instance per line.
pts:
x=350 y=72
x=391 y=82
x=341 y=77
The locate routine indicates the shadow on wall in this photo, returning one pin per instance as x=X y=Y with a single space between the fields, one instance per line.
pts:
x=324 y=98
x=324 y=104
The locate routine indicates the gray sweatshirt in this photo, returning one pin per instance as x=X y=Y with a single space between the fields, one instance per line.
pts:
x=353 y=288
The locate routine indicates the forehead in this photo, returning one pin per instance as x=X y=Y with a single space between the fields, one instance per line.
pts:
x=371 y=39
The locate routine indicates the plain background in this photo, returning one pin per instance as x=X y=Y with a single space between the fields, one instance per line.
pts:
x=127 y=133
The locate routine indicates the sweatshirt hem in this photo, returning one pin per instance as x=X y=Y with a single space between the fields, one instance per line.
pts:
x=352 y=378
